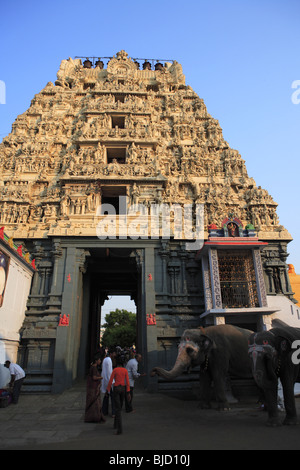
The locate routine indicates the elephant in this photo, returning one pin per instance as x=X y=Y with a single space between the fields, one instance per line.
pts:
x=220 y=350
x=271 y=354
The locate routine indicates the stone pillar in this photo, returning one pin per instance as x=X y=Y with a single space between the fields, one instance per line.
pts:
x=173 y=272
x=66 y=347
x=282 y=270
x=183 y=259
x=164 y=253
x=206 y=283
x=269 y=272
x=54 y=298
x=215 y=278
x=38 y=254
x=151 y=334
x=261 y=288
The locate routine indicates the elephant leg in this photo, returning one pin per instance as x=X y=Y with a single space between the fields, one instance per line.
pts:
x=289 y=402
x=220 y=391
x=205 y=390
x=272 y=408
x=228 y=390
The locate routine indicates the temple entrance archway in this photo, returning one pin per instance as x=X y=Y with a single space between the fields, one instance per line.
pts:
x=110 y=272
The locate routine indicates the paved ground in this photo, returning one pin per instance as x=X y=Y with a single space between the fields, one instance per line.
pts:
x=160 y=423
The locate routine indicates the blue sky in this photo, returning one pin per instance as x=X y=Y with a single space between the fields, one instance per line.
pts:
x=241 y=57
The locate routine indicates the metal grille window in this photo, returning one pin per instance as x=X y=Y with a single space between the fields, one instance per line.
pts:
x=237 y=279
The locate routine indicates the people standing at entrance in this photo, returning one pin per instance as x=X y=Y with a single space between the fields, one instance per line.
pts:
x=17 y=376
x=93 y=408
x=133 y=374
x=121 y=387
x=107 y=368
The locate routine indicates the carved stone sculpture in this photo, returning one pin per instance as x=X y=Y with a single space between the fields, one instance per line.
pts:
x=159 y=125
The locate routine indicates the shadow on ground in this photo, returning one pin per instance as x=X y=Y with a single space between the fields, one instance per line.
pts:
x=160 y=422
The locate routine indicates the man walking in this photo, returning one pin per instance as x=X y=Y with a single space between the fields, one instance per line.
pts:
x=17 y=376
x=132 y=368
x=107 y=368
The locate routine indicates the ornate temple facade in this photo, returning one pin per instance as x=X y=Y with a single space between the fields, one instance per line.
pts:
x=117 y=180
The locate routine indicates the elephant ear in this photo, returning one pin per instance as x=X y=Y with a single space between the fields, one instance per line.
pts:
x=284 y=344
x=206 y=344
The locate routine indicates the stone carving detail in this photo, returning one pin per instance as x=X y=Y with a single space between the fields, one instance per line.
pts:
x=145 y=129
x=121 y=67
x=260 y=276
x=217 y=300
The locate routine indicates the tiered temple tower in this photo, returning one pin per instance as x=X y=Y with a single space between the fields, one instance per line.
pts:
x=96 y=177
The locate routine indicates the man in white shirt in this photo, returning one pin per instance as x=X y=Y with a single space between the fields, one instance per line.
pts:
x=132 y=367
x=17 y=376
x=107 y=368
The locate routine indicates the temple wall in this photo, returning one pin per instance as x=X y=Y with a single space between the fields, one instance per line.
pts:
x=287 y=311
x=12 y=312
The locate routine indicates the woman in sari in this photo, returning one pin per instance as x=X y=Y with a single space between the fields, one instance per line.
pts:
x=93 y=407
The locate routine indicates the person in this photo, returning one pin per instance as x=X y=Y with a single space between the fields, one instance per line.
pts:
x=107 y=368
x=133 y=374
x=121 y=387
x=93 y=408
x=17 y=376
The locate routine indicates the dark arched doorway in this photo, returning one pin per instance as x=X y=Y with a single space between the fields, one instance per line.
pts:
x=110 y=272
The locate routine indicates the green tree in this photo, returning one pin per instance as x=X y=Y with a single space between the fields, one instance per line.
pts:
x=120 y=329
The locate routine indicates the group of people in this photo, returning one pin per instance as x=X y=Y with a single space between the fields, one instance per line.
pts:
x=111 y=380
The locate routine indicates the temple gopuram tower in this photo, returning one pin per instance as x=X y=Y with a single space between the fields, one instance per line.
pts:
x=117 y=181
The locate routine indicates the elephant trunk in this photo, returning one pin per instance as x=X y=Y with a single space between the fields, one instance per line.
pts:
x=182 y=362
x=271 y=374
x=263 y=369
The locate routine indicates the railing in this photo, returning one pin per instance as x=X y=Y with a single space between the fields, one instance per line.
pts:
x=237 y=279
x=238 y=295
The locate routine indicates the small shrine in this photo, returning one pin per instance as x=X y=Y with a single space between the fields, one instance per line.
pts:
x=233 y=274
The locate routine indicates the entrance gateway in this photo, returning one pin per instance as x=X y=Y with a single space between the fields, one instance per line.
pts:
x=117 y=181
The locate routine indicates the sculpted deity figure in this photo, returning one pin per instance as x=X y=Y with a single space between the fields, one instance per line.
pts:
x=132 y=153
x=113 y=167
x=47 y=212
x=134 y=194
x=90 y=202
x=99 y=154
x=64 y=206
